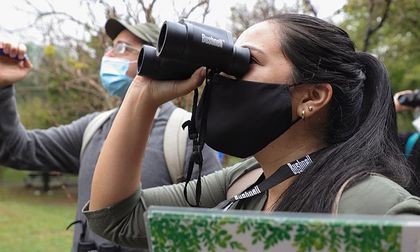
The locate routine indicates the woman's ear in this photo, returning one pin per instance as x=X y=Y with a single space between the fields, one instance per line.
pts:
x=313 y=98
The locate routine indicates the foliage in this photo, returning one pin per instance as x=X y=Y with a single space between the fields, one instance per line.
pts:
x=33 y=223
x=62 y=87
x=190 y=235
x=66 y=75
x=243 y=17
x=183 y=232
x=395 y=43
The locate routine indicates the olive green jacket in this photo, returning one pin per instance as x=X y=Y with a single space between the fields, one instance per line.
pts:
x=123 y=222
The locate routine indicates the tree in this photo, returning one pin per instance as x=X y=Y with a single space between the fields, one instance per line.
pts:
x=242 y=17
x=65 y=81
x=393 y=37
x=389 y=30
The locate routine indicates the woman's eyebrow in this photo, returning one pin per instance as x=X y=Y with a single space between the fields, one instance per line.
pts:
x=254 y=49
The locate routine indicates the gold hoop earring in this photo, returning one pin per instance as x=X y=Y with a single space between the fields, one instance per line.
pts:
x=310 y=108
x=302 y=115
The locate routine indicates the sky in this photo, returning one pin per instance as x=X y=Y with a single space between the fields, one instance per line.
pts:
x=15 y=16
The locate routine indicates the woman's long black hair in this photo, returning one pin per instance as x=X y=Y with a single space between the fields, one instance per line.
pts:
x=361 y=130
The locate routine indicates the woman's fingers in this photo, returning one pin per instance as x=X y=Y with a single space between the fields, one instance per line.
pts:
x=13 y=50
x=160 y=92
x=186 y=86
x=6 y=48
x=21 y=51
x=27 y=63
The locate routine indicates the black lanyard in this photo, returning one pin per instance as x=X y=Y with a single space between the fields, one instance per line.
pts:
x=284 y=172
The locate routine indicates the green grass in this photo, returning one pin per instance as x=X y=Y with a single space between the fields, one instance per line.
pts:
x=38 y=223
x=34 y=223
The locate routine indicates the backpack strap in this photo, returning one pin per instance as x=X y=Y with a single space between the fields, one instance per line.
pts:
x=175 y=142
x=243 y=182
x=93 y=126
x=411 y=141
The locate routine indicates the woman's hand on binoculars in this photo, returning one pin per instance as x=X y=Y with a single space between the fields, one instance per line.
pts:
x=157 y=92
x=14 y=66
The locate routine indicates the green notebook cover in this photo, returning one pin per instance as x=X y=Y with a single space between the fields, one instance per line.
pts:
x=192 y=229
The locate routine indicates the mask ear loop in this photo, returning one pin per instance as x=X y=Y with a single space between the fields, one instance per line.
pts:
x=299 y=117
x=198 y=141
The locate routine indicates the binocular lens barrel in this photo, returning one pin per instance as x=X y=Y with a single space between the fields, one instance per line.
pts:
x=152 y=66
x=185 y=46
x=147 y=61
x=172 y=40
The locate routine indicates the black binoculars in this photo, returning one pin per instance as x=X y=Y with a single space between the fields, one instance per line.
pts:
x=185 y=46
x=411 y=99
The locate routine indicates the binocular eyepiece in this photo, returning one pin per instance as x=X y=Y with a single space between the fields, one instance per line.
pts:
x=185 y=46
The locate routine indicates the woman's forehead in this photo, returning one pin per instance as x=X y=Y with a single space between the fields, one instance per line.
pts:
x=264 y=36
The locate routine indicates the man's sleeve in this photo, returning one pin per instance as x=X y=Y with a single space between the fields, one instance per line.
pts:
x=56 y=148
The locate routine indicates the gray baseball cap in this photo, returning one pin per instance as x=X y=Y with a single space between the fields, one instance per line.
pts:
x=146 y=32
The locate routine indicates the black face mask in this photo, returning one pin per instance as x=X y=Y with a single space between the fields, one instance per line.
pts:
x=240 y=117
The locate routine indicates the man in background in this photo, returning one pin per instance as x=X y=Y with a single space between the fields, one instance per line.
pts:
x=74 y=148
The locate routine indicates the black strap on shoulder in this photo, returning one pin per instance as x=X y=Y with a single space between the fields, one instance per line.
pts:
x=262 y=185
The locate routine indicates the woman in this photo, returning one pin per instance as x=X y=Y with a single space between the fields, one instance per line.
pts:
x=316 y=100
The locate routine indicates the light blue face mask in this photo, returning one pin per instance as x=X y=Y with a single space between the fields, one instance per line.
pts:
x=113 y=75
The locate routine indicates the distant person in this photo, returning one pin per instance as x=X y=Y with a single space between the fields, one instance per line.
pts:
x=318 y=121
x=409 y=100
x=74 y=148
